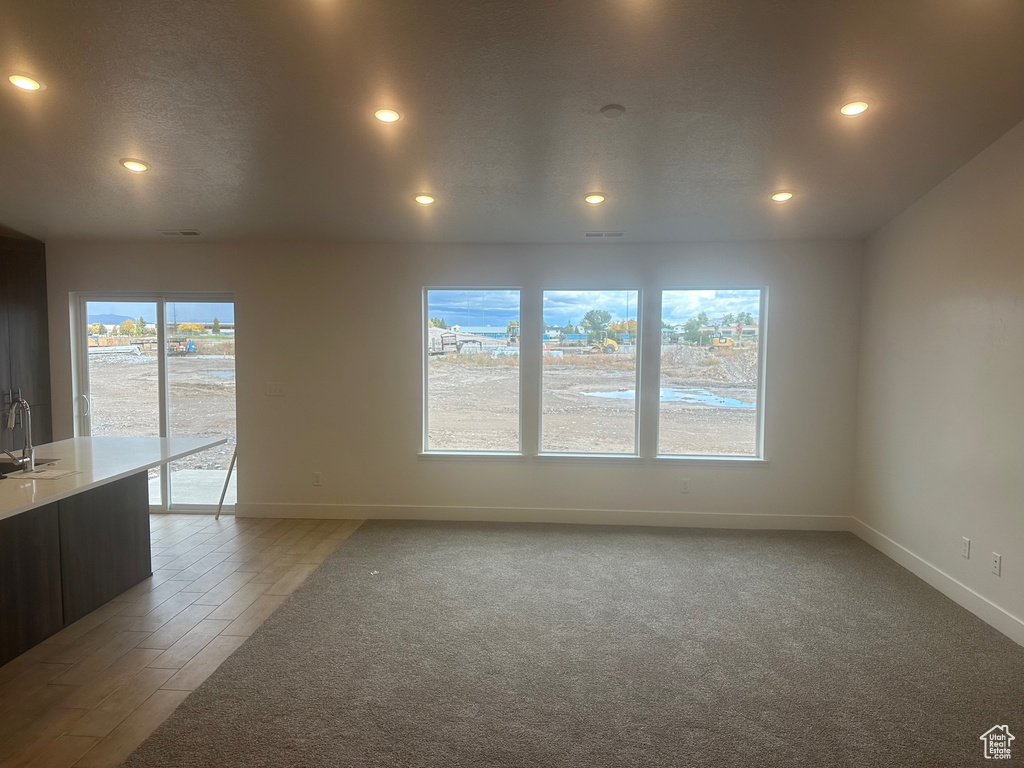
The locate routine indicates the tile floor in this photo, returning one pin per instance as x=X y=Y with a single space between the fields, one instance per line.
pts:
x=94 y=691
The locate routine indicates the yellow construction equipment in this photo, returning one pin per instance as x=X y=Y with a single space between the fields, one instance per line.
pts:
x=721 y=341
x=604 y=344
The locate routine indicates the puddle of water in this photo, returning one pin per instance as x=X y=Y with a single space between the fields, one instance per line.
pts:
x=676 y=395
x=221 y=374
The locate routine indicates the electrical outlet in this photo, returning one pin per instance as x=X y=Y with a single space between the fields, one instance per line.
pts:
x=997 y=564
x=275 y=389
x=684 y=486
x=317 y=479
x=965 y=548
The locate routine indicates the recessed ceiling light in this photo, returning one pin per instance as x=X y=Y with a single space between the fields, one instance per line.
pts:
x=854 y=108
x=594 y=199
x=781 y=197
x=135 y=166
x=424 y=199
x=387 y=115
x=26 y=83
x=612 y=111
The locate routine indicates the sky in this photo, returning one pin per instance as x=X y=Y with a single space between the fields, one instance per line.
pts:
x=177 y=311
x=679 y=306
x=474 y=307
x=564 y=307
x=498 y=307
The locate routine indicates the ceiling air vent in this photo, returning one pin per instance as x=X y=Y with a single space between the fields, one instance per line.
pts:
x=179 y=232
x=603 y=234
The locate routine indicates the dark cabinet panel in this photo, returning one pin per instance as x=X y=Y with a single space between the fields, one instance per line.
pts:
x=6 y=436
x=42 y=429
x=30 y=580
x=42 y=425
x=24 y=337
x=5 y=339
x=104 y=543
x=23 y=293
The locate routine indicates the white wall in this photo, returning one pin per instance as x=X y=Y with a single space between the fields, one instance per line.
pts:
x=352 y=409
x=941 y=393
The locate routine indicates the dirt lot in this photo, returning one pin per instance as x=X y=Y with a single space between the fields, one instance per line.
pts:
x=587 y=404
x=201 y=398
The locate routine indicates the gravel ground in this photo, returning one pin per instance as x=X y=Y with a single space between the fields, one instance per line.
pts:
x=475 y=407
x=202 y=401
x=472 y=406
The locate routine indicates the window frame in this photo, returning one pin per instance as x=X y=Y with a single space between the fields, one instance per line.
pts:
x=762 y=358
x=636 y=453
x=647 y=428
x=79 y=302
x=425 y=449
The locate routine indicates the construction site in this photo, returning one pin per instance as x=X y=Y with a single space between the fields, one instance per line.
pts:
x=124 y=395
x=708 y=394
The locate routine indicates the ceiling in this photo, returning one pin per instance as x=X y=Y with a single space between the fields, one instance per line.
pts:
x=256 y=116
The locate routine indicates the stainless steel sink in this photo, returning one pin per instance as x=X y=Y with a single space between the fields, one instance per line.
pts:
x=8 y=467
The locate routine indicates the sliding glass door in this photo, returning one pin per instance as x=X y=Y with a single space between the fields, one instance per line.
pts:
x=122 y=398
x=201 y=397
x=163 y=366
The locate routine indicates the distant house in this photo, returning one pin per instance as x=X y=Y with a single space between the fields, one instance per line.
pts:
x=749 y=331
x=487 y=331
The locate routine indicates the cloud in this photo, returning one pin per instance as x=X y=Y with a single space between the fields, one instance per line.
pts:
x=474 y=307
x=680 y=306
x=561 y=307
x=498 y=307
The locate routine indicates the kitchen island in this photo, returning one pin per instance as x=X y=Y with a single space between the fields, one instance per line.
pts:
x=70 y=544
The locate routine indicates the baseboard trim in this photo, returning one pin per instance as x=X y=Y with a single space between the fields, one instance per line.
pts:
x=534 y=515
x=1010 y=625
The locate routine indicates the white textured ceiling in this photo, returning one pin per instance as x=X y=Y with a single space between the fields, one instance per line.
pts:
x=256 y=115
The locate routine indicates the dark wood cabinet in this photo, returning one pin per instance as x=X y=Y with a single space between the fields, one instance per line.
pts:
x=42 y=429
x=61 y=561
x=24 y=337
x=5 y=343
x=104 y=543
x=24 y=295
x=30 y=580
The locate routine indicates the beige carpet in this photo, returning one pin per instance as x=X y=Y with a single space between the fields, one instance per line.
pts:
x=458 y=644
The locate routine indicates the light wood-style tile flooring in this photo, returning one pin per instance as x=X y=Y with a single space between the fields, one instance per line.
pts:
x=89 y=695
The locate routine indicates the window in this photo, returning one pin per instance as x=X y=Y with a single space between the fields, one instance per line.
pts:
x=155 y=366
x=589 y=379
x=472 y=370
x=200 y=343
x=122 y=382
x=711 y=359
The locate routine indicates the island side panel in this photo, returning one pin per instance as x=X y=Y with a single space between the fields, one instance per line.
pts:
x=104 y=544
x=30 y=580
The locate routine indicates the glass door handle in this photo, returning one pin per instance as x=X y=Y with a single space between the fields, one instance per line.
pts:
x=88 y=405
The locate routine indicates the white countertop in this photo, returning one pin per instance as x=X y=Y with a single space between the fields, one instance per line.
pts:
x=97 y=461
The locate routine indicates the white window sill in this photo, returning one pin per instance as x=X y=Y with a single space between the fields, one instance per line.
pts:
x=714 y=461
x=601 y=457
x=444 y=455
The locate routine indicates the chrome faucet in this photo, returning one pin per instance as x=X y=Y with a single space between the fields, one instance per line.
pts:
x=28 y=454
